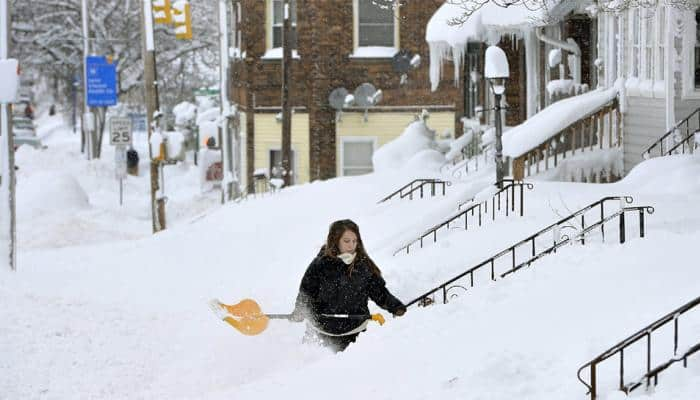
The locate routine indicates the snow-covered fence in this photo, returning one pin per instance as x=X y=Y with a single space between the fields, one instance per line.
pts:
x=679 y=138
x=479 y=211
x=600 y=129
x=542 y=243
x=652 y=374
x=417 y=185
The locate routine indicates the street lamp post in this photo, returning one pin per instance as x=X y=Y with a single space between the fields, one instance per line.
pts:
x=497 y=72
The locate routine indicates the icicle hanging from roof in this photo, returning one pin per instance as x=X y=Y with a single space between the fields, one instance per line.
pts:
x=445 y=39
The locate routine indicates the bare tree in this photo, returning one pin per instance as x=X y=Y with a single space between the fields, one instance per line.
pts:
x=47 y=39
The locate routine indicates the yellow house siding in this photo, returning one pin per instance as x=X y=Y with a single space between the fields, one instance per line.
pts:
x=268 y=136
x=384 y=127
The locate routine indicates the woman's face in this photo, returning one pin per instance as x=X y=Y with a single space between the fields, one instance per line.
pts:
x=348 y=242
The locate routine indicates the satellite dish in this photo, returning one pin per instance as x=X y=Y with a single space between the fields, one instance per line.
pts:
x=401 y=62
x=364 y=95
x=337 y=98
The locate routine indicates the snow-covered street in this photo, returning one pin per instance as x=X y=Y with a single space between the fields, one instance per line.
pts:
x=350 y=199
x=100 y=309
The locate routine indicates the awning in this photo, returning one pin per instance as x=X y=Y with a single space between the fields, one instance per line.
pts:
x=486 y=24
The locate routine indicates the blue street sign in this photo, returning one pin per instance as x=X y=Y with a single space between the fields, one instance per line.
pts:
x=101 y=82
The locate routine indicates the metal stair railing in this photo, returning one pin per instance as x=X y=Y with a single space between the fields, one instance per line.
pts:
x=673 y=135
x=478 y=210
x=558 y=241
x=652 y=373
x=417 y=185
x=588 y=132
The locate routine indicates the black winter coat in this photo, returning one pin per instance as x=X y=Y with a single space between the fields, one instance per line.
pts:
x=328 y=287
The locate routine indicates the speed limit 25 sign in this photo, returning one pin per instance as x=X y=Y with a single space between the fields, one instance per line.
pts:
x=120 y=131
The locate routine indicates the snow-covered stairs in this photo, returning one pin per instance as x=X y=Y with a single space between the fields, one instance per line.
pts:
x=662 y=331
x=545 y=241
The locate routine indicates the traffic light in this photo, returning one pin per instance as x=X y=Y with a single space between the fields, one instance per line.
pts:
x=182 y=18
x=161 y=12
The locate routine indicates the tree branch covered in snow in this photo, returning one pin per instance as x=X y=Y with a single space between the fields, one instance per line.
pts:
x=469 y=7
x=47 y=38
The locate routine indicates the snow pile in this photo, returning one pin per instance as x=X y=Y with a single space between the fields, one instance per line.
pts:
x=415 y=139
x=552 y=120
x=48 y=125
x=458 y=144
x=49 y=191
x=560 y=86
x=207 y=122
x=184 y=112
x=128 y=318
x=583 y=166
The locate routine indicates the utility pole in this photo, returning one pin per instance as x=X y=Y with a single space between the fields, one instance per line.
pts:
x=8 y=245
x=286 y=108
x=152 y=114
x=88 y=125
x=227 y=146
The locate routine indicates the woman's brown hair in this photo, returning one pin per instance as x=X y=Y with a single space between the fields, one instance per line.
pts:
x=337 y=229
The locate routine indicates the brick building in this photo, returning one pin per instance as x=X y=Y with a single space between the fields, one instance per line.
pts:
x=338 y=43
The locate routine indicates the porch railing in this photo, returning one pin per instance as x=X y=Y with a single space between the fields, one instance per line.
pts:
x=599 y=129
x=479 y=211
x=416 y=186
x=646 y=332
x=676 y=137
x=529 y=245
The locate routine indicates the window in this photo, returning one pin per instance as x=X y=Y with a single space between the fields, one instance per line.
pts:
x=278 y=20
x=375 y=32
x=236 y=37
x=635 y=33
x=356 y=156
x=375 y=24
x=276 y=164
x=649 y=43
x=661 y=64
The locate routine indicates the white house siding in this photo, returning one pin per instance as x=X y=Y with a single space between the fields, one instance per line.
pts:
x=686 y=107
x=645 y=122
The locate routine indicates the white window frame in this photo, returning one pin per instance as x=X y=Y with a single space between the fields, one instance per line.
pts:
x=274 y=53
x=647 y=45
x=235 y=51
x=354 y=139
x=660 y=58
x=294 y=161
x=635 y=21
x=372 y=51
x=688 y=55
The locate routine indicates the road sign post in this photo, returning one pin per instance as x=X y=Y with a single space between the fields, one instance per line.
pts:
x=120 y=135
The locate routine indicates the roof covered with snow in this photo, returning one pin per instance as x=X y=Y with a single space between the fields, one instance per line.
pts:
x=485 y=24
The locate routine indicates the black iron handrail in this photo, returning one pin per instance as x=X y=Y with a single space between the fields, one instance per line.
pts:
x=642 y=333
x=682 y=145
x=479 y=209
x=412 y=188
x=660 y=141
x=558 y=241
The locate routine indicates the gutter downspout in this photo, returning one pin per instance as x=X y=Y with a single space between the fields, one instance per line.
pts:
x=569 y=45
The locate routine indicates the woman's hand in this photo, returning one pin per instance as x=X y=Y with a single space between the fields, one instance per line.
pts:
x=296 y=316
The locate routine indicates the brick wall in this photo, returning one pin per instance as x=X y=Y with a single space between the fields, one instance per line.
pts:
x=325 y=41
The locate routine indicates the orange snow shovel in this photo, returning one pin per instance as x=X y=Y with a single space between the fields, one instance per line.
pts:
x=247 y=316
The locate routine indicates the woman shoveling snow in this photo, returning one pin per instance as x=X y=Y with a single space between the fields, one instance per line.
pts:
x=333 y=294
